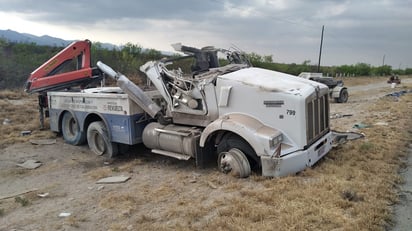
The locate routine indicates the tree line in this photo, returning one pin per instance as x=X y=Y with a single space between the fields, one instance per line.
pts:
x=359 y=69
x=18 y=60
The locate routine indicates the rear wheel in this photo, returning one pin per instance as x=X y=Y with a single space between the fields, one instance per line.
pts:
x=98 y=140
x=235 y=156
x=71 y=130
x=343 y=96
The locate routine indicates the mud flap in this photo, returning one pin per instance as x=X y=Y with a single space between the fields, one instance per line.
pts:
x=342 y=137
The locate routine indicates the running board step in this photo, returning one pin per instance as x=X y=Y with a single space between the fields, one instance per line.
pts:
x=171 y=154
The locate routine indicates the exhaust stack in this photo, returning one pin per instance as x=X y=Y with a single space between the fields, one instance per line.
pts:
x=133 y=91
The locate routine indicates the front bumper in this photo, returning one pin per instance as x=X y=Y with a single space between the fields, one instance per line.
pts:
x=297 y=161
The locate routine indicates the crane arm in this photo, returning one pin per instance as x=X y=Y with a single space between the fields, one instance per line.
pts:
x=49 y=77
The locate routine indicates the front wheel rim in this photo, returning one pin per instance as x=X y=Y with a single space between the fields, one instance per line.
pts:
x=234 y=162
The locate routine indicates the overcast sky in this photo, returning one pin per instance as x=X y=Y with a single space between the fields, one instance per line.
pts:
x=368 y=31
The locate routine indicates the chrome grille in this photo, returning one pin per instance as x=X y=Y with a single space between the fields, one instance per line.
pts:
x=317 y=118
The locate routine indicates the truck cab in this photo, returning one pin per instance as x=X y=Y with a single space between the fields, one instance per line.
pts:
x=247 y=114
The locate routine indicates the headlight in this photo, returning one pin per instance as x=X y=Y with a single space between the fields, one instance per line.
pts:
x=275 y=141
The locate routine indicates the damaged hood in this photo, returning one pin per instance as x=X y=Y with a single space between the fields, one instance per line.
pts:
x=273 y=81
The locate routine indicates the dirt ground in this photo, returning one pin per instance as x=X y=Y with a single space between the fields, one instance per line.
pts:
x=167 y=194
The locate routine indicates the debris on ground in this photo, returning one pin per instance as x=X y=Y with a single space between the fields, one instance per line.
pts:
x=399 y=93
x=43 y=195
x=43 y=141
x=113 y=180
x=381 y=124
x=6 y=121
x=25 y=133
x=360 y=125
x=64 y=214
x=342 y=137
x=337 y=115
x=30 y=164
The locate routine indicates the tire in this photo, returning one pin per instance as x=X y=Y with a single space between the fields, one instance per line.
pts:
x=71 y=130
x=98 y=140
x=235 y=156
x=343 y=96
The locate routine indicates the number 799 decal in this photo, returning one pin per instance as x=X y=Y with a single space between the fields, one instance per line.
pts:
x=290 y=112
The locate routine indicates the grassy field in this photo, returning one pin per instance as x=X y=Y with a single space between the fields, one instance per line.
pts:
x=19 y=113
x=353 y=188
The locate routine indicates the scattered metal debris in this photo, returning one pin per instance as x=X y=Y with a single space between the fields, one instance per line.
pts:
x=381 y=124
x=342 y=137
x=30 y=164
x=360 y=125
x=113 y=180
x=399 y=93
x=64 y=214
x=6 y=121
x=337 y=115
x=43 y=195
x=25 y=133
x=43 y=141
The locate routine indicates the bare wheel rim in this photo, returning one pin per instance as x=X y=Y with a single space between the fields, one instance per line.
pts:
x=234 y=162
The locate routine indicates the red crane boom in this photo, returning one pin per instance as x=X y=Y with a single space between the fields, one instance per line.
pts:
x=49 y=77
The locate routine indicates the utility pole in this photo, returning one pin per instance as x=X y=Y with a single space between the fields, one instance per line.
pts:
x=383 y=60
x=320 y=50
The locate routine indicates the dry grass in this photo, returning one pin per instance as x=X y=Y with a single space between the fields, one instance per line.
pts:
x=352 y=188
x=115 y=169
x=354 y=81
x=21 y=110
x=11 y=94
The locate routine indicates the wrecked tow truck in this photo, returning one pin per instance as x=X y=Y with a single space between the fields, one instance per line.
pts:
x=242 y=117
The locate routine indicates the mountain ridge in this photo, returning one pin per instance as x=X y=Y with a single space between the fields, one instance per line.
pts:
x=44 y=40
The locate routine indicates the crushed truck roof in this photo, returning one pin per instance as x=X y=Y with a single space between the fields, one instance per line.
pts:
x=272 y=80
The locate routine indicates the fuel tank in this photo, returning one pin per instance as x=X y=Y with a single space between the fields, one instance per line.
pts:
x=172 y=138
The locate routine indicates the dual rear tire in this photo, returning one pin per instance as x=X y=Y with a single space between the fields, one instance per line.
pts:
x=98 y=140
x=71 y=131
x=97 y=136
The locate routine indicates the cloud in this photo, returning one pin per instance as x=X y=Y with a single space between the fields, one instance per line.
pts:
x=355 y=31
x=94 y=11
